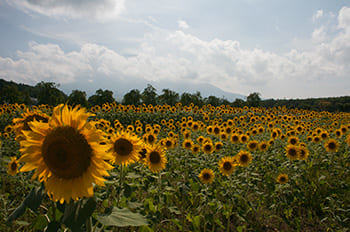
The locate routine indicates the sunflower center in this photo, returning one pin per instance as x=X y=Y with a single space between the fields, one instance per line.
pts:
x=282 y=179
x=331 y=145
x=66 y=152
x=151 y=138
x=14 y=166
x=168 y=143
x=123 y=147
x=244 y=158
x=206 y=176
x=154 y=157
x=227 y=166
x=292 y=152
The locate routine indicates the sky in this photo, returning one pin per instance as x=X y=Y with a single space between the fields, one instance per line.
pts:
x=278 y=48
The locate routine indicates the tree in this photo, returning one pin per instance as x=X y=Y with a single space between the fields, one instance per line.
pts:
x=169 y=97
x=238 y=102
x=214 y=101
x=133 y=97
x=101 y=97
x=254 y=99
x=149 y=95
x=50 y=94
x=188 y=98
x=78 y=97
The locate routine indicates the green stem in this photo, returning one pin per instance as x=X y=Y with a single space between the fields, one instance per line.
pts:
x=53 y=211
x=89 y=224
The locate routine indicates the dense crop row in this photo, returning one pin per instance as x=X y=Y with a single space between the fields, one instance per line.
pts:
x=189 y=168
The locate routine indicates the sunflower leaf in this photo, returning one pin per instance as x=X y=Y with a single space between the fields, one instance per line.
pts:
x=121 y=218
x=76 y=213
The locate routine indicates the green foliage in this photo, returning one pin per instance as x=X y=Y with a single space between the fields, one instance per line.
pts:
x=101 y=97
x=77 y=97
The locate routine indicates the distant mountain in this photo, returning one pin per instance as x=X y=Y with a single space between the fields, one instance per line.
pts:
x=122 y=86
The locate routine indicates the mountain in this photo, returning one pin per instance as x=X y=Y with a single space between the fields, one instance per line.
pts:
x=121 y=86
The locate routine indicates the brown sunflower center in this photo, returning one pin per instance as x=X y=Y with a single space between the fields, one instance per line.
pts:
x=150 y=138
x=154 y=157
x=66 y=152
x=207 y=147
x=292 y=152
x=283 y=179
x=123 y=147
x=14 y=166
x=244 y=158
x=227 y=166
x=252 y=145
x=331 y=145
x=168 y=143
x=206 y=176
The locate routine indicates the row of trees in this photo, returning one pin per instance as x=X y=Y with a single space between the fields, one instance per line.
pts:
x=49 y=93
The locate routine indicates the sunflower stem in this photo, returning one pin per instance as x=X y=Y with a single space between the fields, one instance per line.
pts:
x=53 y=211
x=89 y=224
x=159 y=187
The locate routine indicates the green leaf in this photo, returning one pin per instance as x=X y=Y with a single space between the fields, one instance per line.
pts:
x=53 y=226
x=39 y=223
x=19 y=211
x=121 y=218
x=76 y=213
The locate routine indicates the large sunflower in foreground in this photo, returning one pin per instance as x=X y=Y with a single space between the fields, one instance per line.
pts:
x=206 y=176
x=155 y=157
x=66 y=154
x=125 y=147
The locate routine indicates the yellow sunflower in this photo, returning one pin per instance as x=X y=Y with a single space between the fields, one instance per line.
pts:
x=331 y=145
x=282 y=178
x=263 y=146
x=227 y=165
x=21 y=123
x=155 y=157
x=244 y=158
x=303 y=152
x=125 y=147
x=234 y=138
x=12 y=167
x=208 y=147
x=252 y=145
x=66 y=154
x=206 y=176
x=292 y=152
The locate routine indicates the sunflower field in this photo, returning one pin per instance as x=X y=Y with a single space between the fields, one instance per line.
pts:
x=173 y=168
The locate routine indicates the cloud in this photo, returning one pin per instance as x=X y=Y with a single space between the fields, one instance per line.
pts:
x=317 y=15
x=183 y=24
x=321 y=70
x=100 y=10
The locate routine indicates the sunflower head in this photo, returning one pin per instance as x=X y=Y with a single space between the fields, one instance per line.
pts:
x=331 y=145
x=303 y=152
x=206 y=176
x=208 y=147
x=155 y=158
x=244 y=158
x=252 y=145
x=227 y=165
x=292 y=152
x=234 y=138
x=282 y=178
x=67 y=154
x=263 y=146
x=12 y=167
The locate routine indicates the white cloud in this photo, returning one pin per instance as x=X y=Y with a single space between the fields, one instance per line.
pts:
x=317 y=15
x=321 y=70
x=182 y=24
x=91 y=9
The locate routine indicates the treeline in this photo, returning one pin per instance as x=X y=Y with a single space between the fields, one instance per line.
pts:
x=48 y=93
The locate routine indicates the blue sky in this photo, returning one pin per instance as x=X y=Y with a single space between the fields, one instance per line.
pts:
x=279 y=48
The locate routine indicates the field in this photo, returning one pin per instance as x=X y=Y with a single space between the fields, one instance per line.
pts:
x=174 y=168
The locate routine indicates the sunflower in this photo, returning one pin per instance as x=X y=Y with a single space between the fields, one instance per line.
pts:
x=303 y=152
x=206 y=176
x=252 y=145
x=227 y=165
x=195 y=148
x=244 y=158
x=234 y=138
x=208 y=147
x=149 y=138
x=155 y=157
x=263 y=146
x=12 y=167
x=218 y=146
x=292 y=152
x=244 y=138
x=331 y=145
x=282 y=178
x=124 y=146
x=66 y=153
x=293 y=140
x=168 y=143
x=21 y=124
x=187 y=144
